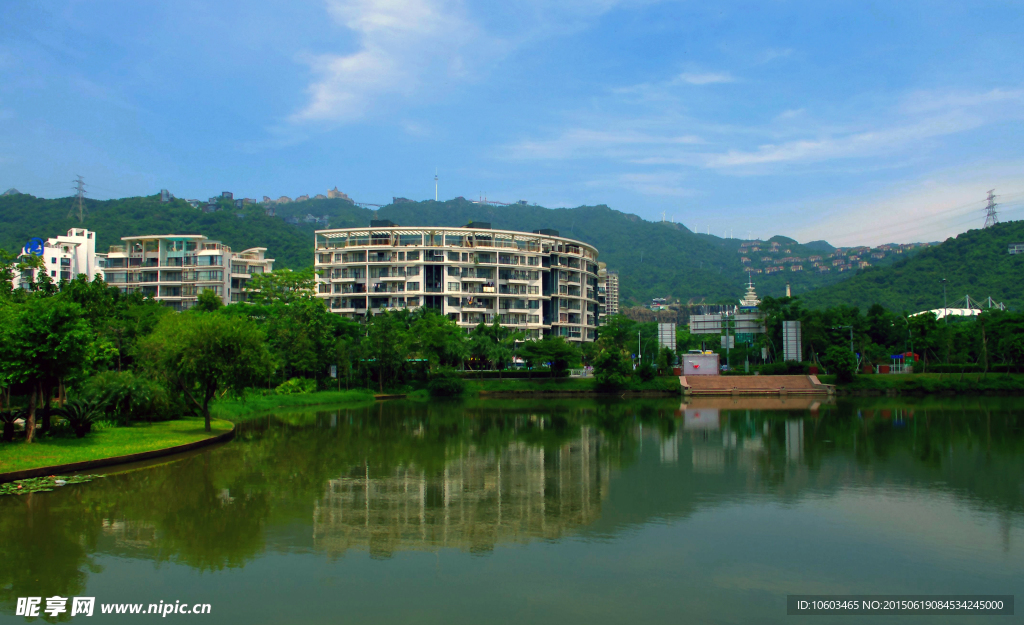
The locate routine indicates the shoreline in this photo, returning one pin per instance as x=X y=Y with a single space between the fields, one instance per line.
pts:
x=85 y=465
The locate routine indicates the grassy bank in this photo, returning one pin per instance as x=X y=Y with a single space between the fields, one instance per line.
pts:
x=253 y=405
x=923 y=383
x=106 y=443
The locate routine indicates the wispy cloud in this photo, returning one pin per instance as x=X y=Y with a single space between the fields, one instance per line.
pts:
x=790 y=114
x=845 y=146
x=402 y=44
x=656 y=184
x=706 y=78
x=771 y=54
x=587 y=142
x=928 y=101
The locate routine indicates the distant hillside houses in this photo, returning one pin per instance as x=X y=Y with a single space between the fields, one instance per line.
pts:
x=772 y=257
x=332 y=194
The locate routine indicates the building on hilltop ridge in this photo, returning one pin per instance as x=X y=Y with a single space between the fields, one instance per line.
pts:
x=175 y=268
x=64 y=258
x=334 y=194
x=541 y=284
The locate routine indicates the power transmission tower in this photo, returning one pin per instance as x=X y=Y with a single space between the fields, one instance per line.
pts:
x=991 y=218
x=79 y=205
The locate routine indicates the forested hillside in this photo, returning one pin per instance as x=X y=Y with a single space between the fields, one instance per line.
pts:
x=23 y=217
x=976 y=263
x=653 y=259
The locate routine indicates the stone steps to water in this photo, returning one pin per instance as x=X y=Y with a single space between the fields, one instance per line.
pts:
x=754 y=385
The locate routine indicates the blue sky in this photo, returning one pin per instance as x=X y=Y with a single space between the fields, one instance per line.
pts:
x=858 y=122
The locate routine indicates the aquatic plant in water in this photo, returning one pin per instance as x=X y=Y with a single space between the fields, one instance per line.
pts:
x=43 y=484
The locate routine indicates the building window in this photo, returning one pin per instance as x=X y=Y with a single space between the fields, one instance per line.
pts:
x=454 y=287
x=412 y=286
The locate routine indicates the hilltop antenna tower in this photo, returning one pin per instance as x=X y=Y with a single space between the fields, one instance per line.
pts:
x=78 y=206
x=991 y=218
x=435 y=184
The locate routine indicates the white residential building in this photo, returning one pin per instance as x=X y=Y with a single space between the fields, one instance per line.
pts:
x=539 y=283
x=65 y=257
x=175 y=268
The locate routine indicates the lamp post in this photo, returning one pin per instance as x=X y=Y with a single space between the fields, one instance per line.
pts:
x=945 y=312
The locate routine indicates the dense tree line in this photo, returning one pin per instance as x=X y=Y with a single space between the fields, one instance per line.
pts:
x=126 y=357
x=995 y=337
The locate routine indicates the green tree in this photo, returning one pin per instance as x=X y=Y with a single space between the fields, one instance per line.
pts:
x=44 y=341
x=841 y=362
x=612 y=369
x=438 y=339
x=387 y=345
x=201 y=354
x=553 y=351
x=208 y=301
x=282 y=285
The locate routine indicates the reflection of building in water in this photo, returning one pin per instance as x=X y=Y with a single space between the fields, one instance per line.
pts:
x=136 y=534
x=480 y=500
x=795 y=439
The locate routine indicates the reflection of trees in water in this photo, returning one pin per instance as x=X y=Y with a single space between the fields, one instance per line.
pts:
x=475 y=474
x=515 y=494
x=45 y=547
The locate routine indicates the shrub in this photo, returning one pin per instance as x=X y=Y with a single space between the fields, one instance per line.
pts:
x=789 y=367
x=126 y=396
x=446 y=385
x=80 y=414
x=841 y=362
x=645 y=373
x=296 y=386
x=611 y=370
x=8 y=417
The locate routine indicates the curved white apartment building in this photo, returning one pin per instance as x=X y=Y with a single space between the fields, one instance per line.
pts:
x=537 y=282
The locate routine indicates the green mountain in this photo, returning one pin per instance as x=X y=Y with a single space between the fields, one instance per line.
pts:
x=975 y=263
x=654 y=259
x=24 y=216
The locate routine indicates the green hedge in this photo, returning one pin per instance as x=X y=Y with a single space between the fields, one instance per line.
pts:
x=969 y=367
x=508 y=375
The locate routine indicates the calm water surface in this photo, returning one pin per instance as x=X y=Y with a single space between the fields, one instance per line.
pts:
x=545 y=512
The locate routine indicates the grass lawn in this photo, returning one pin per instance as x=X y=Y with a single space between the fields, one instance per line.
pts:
x=934 y=382
x=254 y=405
x=113 y=441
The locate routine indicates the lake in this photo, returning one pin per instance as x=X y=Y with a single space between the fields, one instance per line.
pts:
x=545 y=511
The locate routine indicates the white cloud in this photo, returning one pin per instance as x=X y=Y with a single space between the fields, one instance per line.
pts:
x=771 y=54
x=403 y=45
x=931 y=208
x=586 y=142
x=790 y=114
x=928 y=101
x=708 y=78
x=658 y=184
x=849 y=145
